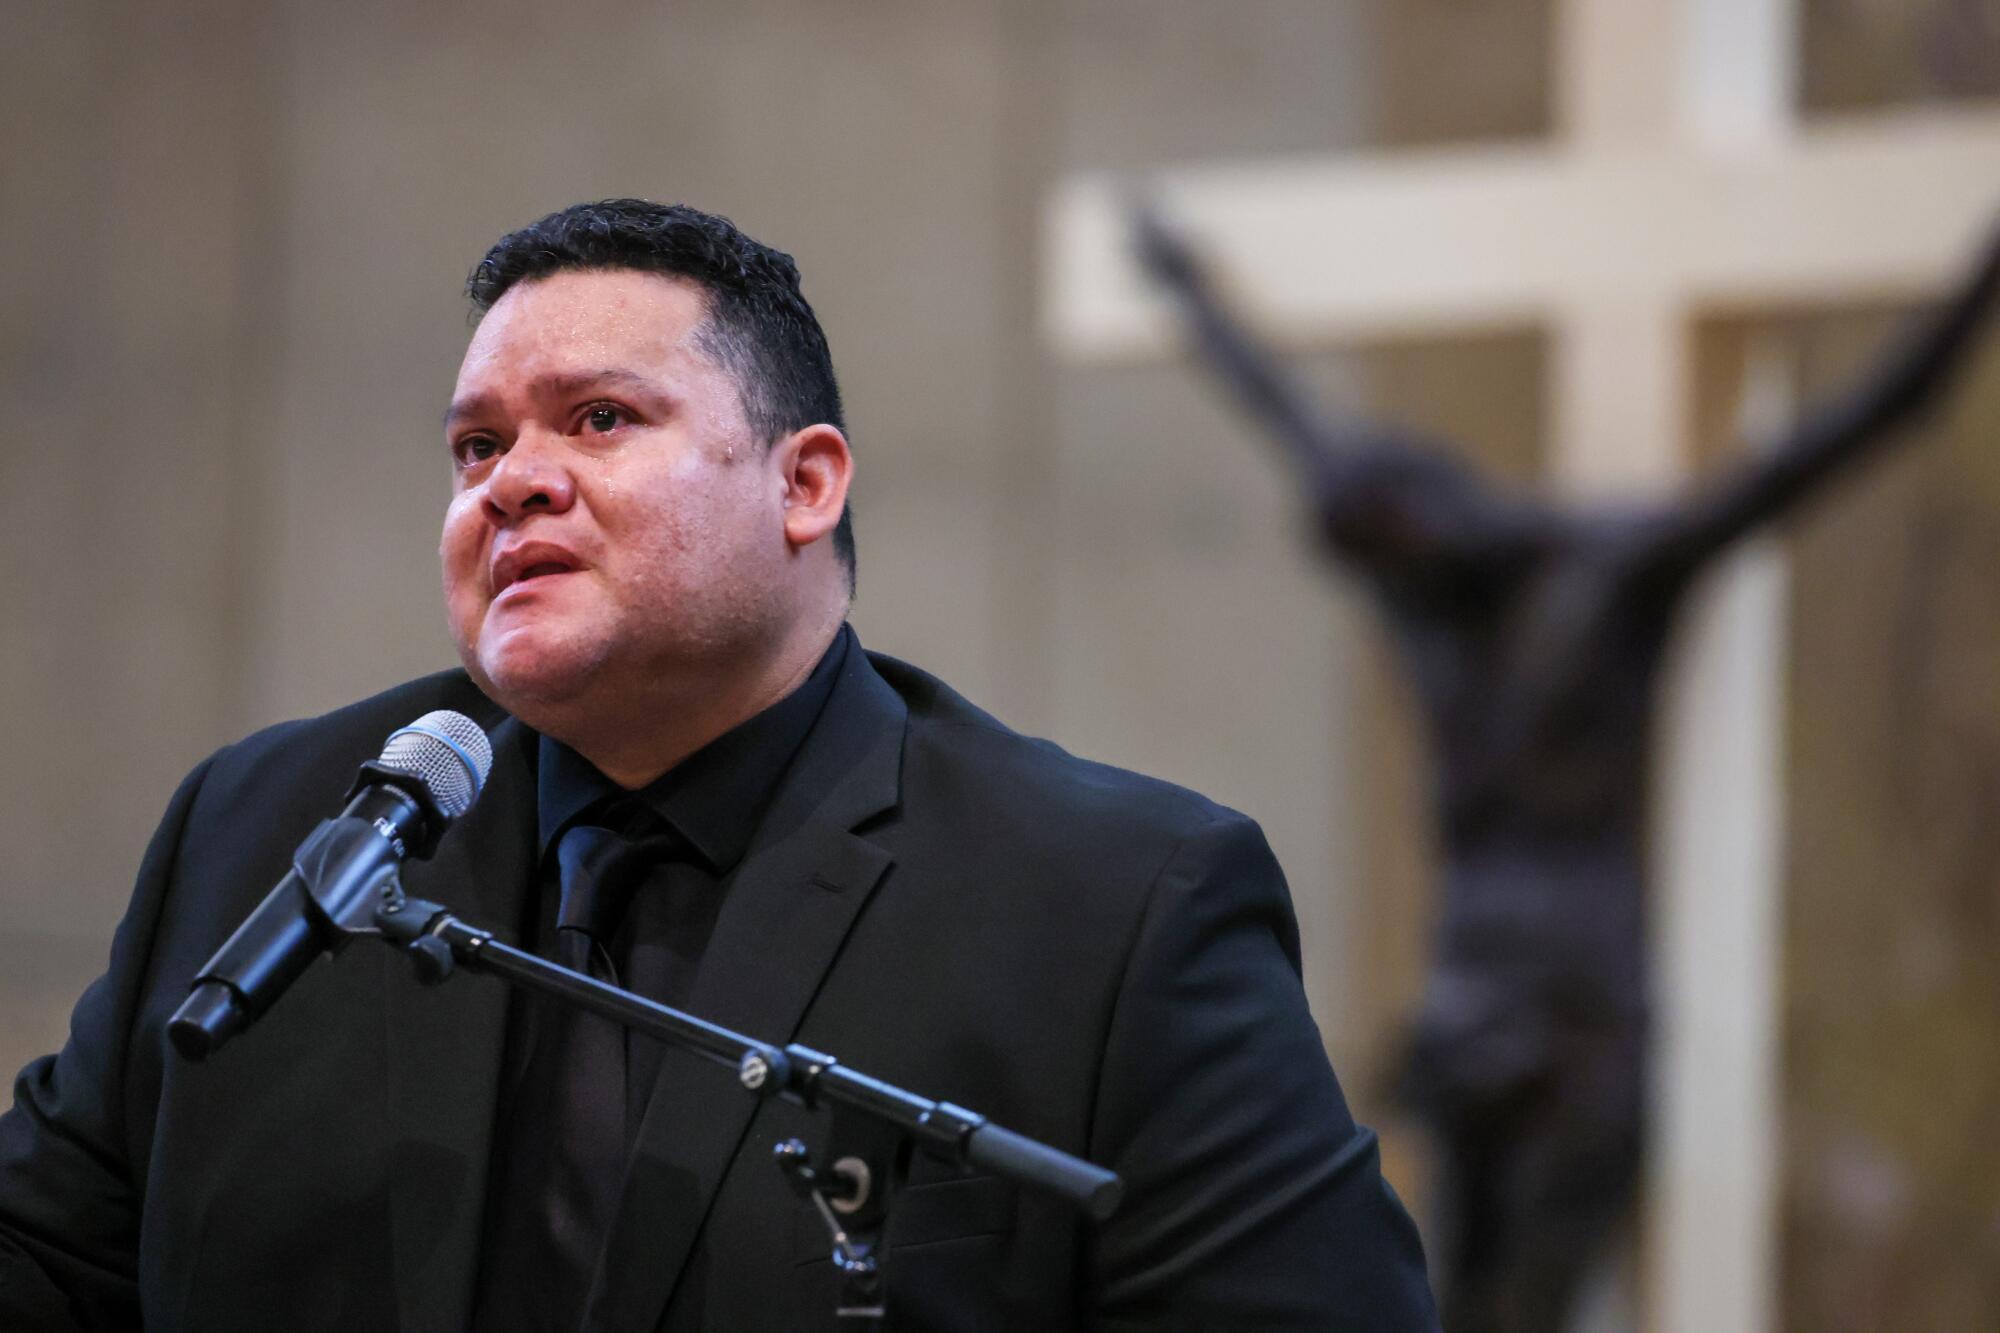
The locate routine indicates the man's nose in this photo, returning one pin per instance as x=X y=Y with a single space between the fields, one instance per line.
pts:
x=531 y=477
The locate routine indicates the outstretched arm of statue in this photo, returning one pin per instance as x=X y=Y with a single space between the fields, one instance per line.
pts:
x=1835 y=435
x=1368 y=482
x=1247 y=368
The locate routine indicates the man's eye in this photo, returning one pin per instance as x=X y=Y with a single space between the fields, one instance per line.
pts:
x=474 y=449
x=604 y=418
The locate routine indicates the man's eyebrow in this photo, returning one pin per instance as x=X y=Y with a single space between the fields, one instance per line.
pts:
x=554 y=386
x=464 y=407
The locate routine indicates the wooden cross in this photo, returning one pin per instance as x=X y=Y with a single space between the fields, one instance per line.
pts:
x=1680 y=184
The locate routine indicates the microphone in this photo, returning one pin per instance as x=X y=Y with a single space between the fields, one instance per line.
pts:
x=429 y=773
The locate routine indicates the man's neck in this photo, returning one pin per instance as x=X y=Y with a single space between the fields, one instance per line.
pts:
x=650 y=731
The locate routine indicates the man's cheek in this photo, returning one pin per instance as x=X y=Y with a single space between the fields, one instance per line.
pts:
x=463 y=565
x=459 y=535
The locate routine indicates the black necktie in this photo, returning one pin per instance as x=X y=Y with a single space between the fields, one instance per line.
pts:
x=560 y=1173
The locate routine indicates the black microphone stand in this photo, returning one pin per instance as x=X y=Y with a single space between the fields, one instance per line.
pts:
x=851 y=1198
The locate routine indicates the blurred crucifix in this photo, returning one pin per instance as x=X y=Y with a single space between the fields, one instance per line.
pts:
x=1534 y=635
x=1680 y=183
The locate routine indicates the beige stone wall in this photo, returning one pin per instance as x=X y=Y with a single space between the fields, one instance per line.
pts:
x=137 y=341
x=1891 y=1194
x=233 y=235
x=1891 y=1206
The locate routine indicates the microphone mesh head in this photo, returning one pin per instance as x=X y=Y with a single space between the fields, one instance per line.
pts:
x=448 y=753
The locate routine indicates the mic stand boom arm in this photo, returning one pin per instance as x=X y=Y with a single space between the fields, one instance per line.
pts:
x=439 y=942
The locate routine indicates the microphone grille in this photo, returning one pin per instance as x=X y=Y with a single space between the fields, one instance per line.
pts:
x=445 y=751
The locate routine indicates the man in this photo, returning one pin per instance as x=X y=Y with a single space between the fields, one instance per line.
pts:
x=647 y=564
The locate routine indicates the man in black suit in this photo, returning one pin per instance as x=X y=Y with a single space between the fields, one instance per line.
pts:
x=648 y=563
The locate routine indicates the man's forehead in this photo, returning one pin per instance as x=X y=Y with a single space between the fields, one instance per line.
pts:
x=594 y=303
x=574 y=324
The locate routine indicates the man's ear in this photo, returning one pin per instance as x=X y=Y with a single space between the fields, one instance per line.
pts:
x=816 y=467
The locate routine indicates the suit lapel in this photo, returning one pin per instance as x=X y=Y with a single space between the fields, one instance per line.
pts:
x=445 y=1044
x=794 y=898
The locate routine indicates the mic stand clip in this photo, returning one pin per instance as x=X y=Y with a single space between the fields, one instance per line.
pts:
x=843 y=1190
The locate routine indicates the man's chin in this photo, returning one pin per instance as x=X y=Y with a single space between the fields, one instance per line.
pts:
x=527 y=684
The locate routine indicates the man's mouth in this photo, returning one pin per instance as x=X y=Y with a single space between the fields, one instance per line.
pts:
x=531 y=564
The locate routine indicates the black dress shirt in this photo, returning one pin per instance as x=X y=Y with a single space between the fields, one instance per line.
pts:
x=711 y=803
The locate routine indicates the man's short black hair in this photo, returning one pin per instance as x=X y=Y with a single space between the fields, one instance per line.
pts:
x=759 y=327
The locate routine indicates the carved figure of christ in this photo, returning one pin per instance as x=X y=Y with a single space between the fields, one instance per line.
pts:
x=1534 y=634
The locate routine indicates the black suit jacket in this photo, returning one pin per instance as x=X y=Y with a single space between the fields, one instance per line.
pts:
x=1091 y=958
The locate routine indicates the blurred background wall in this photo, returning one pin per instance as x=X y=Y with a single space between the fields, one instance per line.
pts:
x=232 y=237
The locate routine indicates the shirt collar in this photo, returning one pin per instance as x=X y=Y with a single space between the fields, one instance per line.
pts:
x=713 y=798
